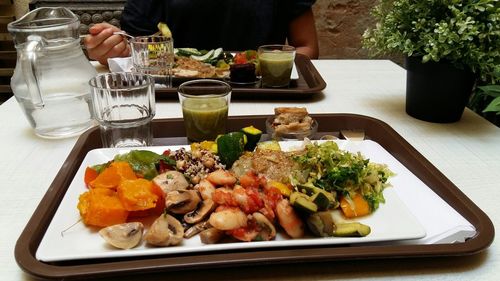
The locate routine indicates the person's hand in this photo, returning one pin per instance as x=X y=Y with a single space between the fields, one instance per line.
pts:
x=101 y=44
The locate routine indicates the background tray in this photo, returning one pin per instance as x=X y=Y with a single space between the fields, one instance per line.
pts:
x=170 y=132
x=309 y=82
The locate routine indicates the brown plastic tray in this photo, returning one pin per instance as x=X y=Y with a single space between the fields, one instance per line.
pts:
x=170 y=132
x=309 y=83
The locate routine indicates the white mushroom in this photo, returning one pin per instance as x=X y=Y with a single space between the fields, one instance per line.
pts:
x=165 y=231
x=182 y=201
x=211 y=235
x=171 y=180
x=123 y=236
x=204 y=208
x=195 y=229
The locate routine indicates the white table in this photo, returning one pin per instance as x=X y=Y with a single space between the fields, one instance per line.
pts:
x=467 y=152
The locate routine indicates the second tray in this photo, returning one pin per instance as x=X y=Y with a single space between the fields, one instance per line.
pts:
x=309 y=83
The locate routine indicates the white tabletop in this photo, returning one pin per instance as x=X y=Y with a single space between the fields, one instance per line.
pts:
x=467 y=152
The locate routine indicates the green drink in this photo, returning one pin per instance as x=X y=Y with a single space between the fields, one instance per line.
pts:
x=276 y=63
x=205 y=108
x=204 y=118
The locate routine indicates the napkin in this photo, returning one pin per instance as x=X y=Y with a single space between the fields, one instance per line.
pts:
x=120 y=64
x=442 y=223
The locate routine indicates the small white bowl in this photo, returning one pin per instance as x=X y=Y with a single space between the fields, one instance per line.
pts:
x=290 y=136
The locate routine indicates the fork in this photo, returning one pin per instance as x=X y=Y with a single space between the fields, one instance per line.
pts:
x=123 y=33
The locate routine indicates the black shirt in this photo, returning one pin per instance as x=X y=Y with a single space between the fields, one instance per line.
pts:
x=209 y=24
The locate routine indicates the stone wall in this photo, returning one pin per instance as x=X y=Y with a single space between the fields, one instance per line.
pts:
x=21 y=7
x=340 y=24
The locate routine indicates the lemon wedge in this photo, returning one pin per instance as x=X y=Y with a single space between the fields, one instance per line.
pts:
x=165 y=31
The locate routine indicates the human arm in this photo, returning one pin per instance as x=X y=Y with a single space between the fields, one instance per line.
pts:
x=101 y=44
x=302 y=34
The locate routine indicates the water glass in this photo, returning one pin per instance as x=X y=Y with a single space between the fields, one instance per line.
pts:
x=124 y=105
x=154 y=55
x=276 y=63
x=205 y=104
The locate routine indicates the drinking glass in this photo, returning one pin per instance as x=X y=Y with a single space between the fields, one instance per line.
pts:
x=205 y=105
x=276 y=63
x=124 y=105
x=154 y=55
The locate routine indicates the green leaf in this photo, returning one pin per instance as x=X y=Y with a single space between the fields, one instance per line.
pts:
x=494 y=106
x=491 y=90
x=144 y=162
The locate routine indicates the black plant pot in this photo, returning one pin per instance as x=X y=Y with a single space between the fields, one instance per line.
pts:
x=436 y=91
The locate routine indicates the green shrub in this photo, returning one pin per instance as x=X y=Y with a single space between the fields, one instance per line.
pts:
x=466 y=33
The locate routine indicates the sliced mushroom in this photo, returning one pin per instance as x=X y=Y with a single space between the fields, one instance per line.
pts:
x=176 y=198
x=165 y=231
x=204 y=208
x=170 y=181
x=182 y=201
x=205 y=188
x=211 y=235
x=197 y=228
x=268 y=231
x=123 y=236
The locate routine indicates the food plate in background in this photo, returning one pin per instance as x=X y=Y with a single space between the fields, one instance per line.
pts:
x=65 y=240
x=309 y=82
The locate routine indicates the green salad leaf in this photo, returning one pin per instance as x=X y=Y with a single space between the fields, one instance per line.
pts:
x=345 y=173
x=144 y=162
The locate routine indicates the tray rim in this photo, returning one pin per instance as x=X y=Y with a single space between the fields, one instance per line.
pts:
x=305 y=68
x=31 y=236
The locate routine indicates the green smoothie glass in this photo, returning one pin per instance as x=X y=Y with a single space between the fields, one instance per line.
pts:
x=205 y=104
x=276 y=63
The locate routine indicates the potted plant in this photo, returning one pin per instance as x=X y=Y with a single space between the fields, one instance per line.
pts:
x=449 y=45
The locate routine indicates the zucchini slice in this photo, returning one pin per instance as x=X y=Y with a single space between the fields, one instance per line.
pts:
x=352 y=229
x=217 y=52
x=269 y=145
x=230 y=147
x=253 y=137
x=204 y=57
x=321 y=200
x=303 y=202
x=188 y=52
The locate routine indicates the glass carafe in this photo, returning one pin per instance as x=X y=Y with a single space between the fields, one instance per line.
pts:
x=50 y=80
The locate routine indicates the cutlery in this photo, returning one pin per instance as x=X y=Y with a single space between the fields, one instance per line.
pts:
x=354 y=134
x=123 y=33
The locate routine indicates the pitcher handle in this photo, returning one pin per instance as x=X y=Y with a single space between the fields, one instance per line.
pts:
x=28 y=61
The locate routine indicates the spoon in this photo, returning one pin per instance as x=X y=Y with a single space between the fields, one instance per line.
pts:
x=355 y=134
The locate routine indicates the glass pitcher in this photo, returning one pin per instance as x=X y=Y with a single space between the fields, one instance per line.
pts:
x=50 y=80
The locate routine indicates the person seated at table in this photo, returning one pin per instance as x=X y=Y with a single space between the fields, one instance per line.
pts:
x=231 y=24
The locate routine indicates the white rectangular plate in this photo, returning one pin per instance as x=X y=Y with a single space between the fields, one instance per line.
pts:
x=393 y=221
